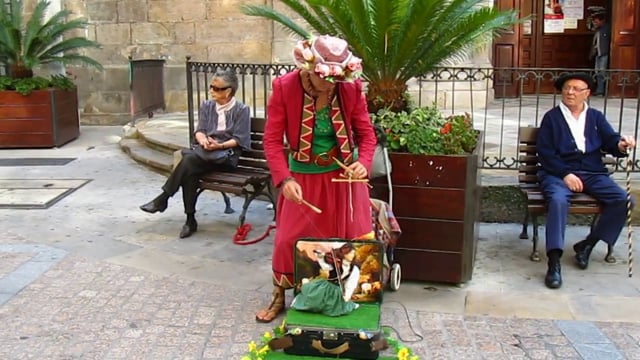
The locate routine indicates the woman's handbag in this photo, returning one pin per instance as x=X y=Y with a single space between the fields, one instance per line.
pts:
x=381 y=166
x=228 y=157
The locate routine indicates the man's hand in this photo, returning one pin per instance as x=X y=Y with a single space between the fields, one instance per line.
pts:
x=626 y=143
x=573 y=183
x=292 y=191
x=357 y=170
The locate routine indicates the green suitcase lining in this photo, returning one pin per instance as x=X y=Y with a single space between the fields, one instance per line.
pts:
x=365 y=317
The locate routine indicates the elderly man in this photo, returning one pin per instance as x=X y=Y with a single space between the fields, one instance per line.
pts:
x=571 y=140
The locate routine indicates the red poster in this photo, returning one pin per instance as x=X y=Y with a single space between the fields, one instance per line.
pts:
x=553 y=16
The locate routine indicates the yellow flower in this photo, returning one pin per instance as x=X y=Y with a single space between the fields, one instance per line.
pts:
x=252 y=346
x=264 y=350
x=267 y=335
x=403 y=354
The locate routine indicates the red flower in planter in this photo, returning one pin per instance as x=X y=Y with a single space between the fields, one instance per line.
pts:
x=426 y=131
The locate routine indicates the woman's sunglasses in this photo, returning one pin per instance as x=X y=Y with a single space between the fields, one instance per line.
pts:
x=218 y=89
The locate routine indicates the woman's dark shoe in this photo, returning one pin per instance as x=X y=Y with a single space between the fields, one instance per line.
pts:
x=154 y=206
x=583 y=251
x=188 y=228
x=553 y=279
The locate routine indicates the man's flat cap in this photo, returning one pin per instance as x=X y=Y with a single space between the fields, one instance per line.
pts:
x=575 y=75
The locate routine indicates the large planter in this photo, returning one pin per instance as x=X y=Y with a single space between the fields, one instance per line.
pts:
x=436 y=200
x=44 y=118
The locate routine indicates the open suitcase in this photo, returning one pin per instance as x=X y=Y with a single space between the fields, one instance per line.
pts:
x=355 y=335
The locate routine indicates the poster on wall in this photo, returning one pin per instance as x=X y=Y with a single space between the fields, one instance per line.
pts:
x=573 y=9
x=553 y=17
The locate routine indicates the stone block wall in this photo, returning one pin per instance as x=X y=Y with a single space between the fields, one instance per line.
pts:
x=207 y=30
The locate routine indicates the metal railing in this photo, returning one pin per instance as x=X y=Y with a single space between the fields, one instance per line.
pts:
x=499 y=100
x=146 y=87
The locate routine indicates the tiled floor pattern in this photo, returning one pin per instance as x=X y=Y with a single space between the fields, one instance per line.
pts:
x=36 y=194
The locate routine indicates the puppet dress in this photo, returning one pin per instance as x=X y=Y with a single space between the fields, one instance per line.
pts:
x=325 y=296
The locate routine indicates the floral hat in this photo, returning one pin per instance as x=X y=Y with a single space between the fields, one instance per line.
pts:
x=329 y=57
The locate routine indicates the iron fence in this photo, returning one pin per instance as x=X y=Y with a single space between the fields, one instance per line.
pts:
x=500 y=100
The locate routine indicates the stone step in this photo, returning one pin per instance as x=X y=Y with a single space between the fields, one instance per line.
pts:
x=165 y=136
x=139 y=151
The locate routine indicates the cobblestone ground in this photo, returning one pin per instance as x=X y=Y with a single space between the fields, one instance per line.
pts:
x=95 y=278
x=89 y=309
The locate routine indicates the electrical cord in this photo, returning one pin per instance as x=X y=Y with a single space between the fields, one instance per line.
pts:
x=415 y=333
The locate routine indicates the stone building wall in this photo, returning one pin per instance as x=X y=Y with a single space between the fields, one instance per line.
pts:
x=207 y=30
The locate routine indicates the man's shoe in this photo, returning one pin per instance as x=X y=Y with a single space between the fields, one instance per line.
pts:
x=188 y=228
x=553 y=279
x=154 y=206
x=583 y=251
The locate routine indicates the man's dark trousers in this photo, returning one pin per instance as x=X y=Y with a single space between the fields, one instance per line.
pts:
x=601 y=187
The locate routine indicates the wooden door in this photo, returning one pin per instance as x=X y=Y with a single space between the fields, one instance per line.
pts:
x=568 y=49
x=530 y=46
x=625 y=47
x=506 y=55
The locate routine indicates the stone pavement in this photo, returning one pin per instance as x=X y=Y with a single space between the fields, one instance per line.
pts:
x=90 y=276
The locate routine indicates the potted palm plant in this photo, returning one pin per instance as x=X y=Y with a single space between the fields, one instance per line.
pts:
x=37 y=111
x=436 y=193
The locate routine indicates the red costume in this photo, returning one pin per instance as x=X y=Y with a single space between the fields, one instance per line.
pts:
x=345 y=206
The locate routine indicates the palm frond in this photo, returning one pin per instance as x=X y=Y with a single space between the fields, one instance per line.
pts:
x=38 y=41
x=398 y=39
x=271 y=14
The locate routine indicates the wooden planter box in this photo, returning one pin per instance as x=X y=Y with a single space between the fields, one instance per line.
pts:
x=44 y=118
x=436 y=200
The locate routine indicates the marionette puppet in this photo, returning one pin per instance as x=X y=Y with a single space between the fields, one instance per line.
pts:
x=330 y=293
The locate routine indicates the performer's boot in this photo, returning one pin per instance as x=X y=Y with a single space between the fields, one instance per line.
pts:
x=553 y=279
x=275 y=307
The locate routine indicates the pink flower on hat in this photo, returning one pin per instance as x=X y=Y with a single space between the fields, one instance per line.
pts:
x=329 y=57
x=336 y=70
x=323 y=70
x=355 y=64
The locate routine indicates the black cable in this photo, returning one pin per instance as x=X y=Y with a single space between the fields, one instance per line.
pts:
x=406 y=312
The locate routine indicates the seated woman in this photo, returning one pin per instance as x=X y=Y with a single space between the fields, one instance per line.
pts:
x=222 y=133
x=330 y=293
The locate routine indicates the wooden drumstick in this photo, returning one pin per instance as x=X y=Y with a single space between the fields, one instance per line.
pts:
x=311 y=206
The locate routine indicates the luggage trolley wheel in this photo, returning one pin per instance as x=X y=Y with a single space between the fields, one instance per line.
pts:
x=395 y=276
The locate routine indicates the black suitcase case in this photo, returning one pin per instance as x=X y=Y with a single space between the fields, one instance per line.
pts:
x=316 y=334
x=356 y=335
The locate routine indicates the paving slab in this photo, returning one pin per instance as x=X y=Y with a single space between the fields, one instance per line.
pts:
x=128 y=287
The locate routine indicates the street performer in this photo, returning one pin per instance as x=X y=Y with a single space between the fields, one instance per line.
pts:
x=321 y=110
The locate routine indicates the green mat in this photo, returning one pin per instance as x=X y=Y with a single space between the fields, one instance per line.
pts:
x=365 y=317
x=277 y=355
